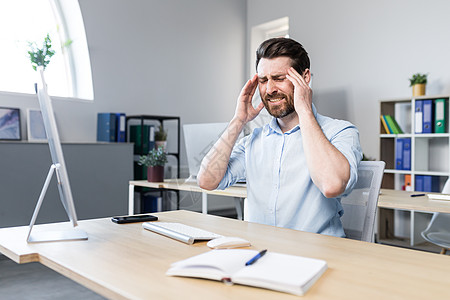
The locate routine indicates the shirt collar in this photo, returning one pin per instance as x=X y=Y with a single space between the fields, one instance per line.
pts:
x=273 y=126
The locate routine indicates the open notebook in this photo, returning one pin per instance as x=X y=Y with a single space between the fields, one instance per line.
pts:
x=275 y=271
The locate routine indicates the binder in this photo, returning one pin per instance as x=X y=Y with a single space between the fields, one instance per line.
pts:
x=399 y=154
x=383 y=121
x=408 y=186
x=143 y=139
x=419 y=187
x=398 y=128
x=106 y=127
x=427 y=116
x=431 y=183
x=418 y=116
x=120 y=127
x=406 y=154
x=392 y=124
x=440 y=120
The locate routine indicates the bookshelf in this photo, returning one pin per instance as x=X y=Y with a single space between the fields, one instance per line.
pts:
x=170 y=123
x=430 y=156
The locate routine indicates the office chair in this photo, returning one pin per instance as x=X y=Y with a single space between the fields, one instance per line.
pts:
x=360 y=206
x=438 y=230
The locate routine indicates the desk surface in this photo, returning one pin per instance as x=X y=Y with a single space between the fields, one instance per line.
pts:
x=402 y=200
x=393 y=199
x=126 y=261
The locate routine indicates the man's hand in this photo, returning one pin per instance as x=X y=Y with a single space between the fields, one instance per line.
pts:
x=302 y=91
x=245 y=112
x=215 y=163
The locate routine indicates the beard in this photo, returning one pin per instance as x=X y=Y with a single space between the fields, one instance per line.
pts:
x=282 y=110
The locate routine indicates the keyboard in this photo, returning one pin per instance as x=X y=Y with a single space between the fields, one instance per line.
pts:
x=181 y=232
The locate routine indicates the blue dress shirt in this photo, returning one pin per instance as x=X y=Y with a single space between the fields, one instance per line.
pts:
x=280 y=191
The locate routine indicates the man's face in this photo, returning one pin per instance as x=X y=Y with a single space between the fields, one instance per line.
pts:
x=277 y=92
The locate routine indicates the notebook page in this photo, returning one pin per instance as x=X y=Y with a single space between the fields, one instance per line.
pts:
x=282 y=272
x=214 y=264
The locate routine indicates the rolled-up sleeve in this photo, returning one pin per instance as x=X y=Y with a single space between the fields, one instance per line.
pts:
x=236 y=166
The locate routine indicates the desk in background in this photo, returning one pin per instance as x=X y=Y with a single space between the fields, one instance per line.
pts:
x=129 y=262
x=387 y=202
x=418 y=208
x=182 y=185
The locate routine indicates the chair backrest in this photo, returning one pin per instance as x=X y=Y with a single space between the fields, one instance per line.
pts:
x=438 y=230
x=360 y=206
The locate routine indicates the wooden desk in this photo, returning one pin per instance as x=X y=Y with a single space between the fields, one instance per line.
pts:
x=182 y=185
x=391 y=199
x=394 y=199
x=419 y=210
x=129 y=262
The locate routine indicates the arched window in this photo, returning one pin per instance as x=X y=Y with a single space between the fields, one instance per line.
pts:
x=23 y=21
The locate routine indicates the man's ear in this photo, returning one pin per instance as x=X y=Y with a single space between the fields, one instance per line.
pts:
x=307 y=75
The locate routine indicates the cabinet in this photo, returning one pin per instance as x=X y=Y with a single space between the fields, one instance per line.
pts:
x=172 y=125
x=429 y=156
x=98 y=173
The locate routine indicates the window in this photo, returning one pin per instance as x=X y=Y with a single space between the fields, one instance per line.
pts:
x=262 y=32
x=25 y=21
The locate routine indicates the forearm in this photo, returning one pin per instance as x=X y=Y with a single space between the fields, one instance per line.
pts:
x=215 y=163
x=329 y=168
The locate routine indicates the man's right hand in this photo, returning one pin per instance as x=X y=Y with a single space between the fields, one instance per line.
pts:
x=245 y=112
x=215 y=163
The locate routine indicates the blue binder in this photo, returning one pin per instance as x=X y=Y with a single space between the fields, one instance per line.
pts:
x=419 y=184
x=431 y=183
x=427 y=116
x=399 y=154
x=106 y=127
x=406 y=154
x=120 y=127
x=418 y=116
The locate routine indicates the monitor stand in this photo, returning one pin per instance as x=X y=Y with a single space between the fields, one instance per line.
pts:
x=51 y=236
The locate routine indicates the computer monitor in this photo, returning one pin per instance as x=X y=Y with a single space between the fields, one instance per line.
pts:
x=58 y=167
x=198 y=139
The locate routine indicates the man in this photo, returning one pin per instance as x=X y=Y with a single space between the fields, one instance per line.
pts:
x=298 y=165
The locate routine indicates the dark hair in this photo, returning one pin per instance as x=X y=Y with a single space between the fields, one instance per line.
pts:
x=277 y=47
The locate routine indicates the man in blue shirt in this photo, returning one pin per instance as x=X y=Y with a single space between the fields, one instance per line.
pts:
x=299 y=165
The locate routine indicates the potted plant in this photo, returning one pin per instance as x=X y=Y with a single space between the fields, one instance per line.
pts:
x=418 y=82
x=40 y=57
x=161 y=137
x=154 y=161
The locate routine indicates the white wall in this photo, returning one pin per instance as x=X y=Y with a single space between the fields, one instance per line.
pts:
x=364 y=51
x=171 y=57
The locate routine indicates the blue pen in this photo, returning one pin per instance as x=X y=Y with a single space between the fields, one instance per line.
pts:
x=256 y=257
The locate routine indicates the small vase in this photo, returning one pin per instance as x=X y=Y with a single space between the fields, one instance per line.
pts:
x=162 y=144
x=155 y=174
x=418 y=89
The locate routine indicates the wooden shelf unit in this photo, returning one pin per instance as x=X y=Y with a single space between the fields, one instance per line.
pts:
x=430 y=155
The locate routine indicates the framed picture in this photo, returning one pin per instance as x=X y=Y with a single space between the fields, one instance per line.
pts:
x=9 y=123
x=35 y=126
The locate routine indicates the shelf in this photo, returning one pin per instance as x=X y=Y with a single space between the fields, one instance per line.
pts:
x=152 y=119
x=429 y=156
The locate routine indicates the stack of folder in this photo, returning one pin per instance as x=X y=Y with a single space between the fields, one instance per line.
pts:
x=427 y=183
x=430 y=116
x=111 y=127
x=390 y=124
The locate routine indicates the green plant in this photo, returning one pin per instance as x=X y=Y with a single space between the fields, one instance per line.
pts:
x=41 y=56
x=161 y=134
x=155 y=157
x=418 y=79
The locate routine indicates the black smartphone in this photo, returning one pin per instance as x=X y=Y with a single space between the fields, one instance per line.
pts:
x=134 y=219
